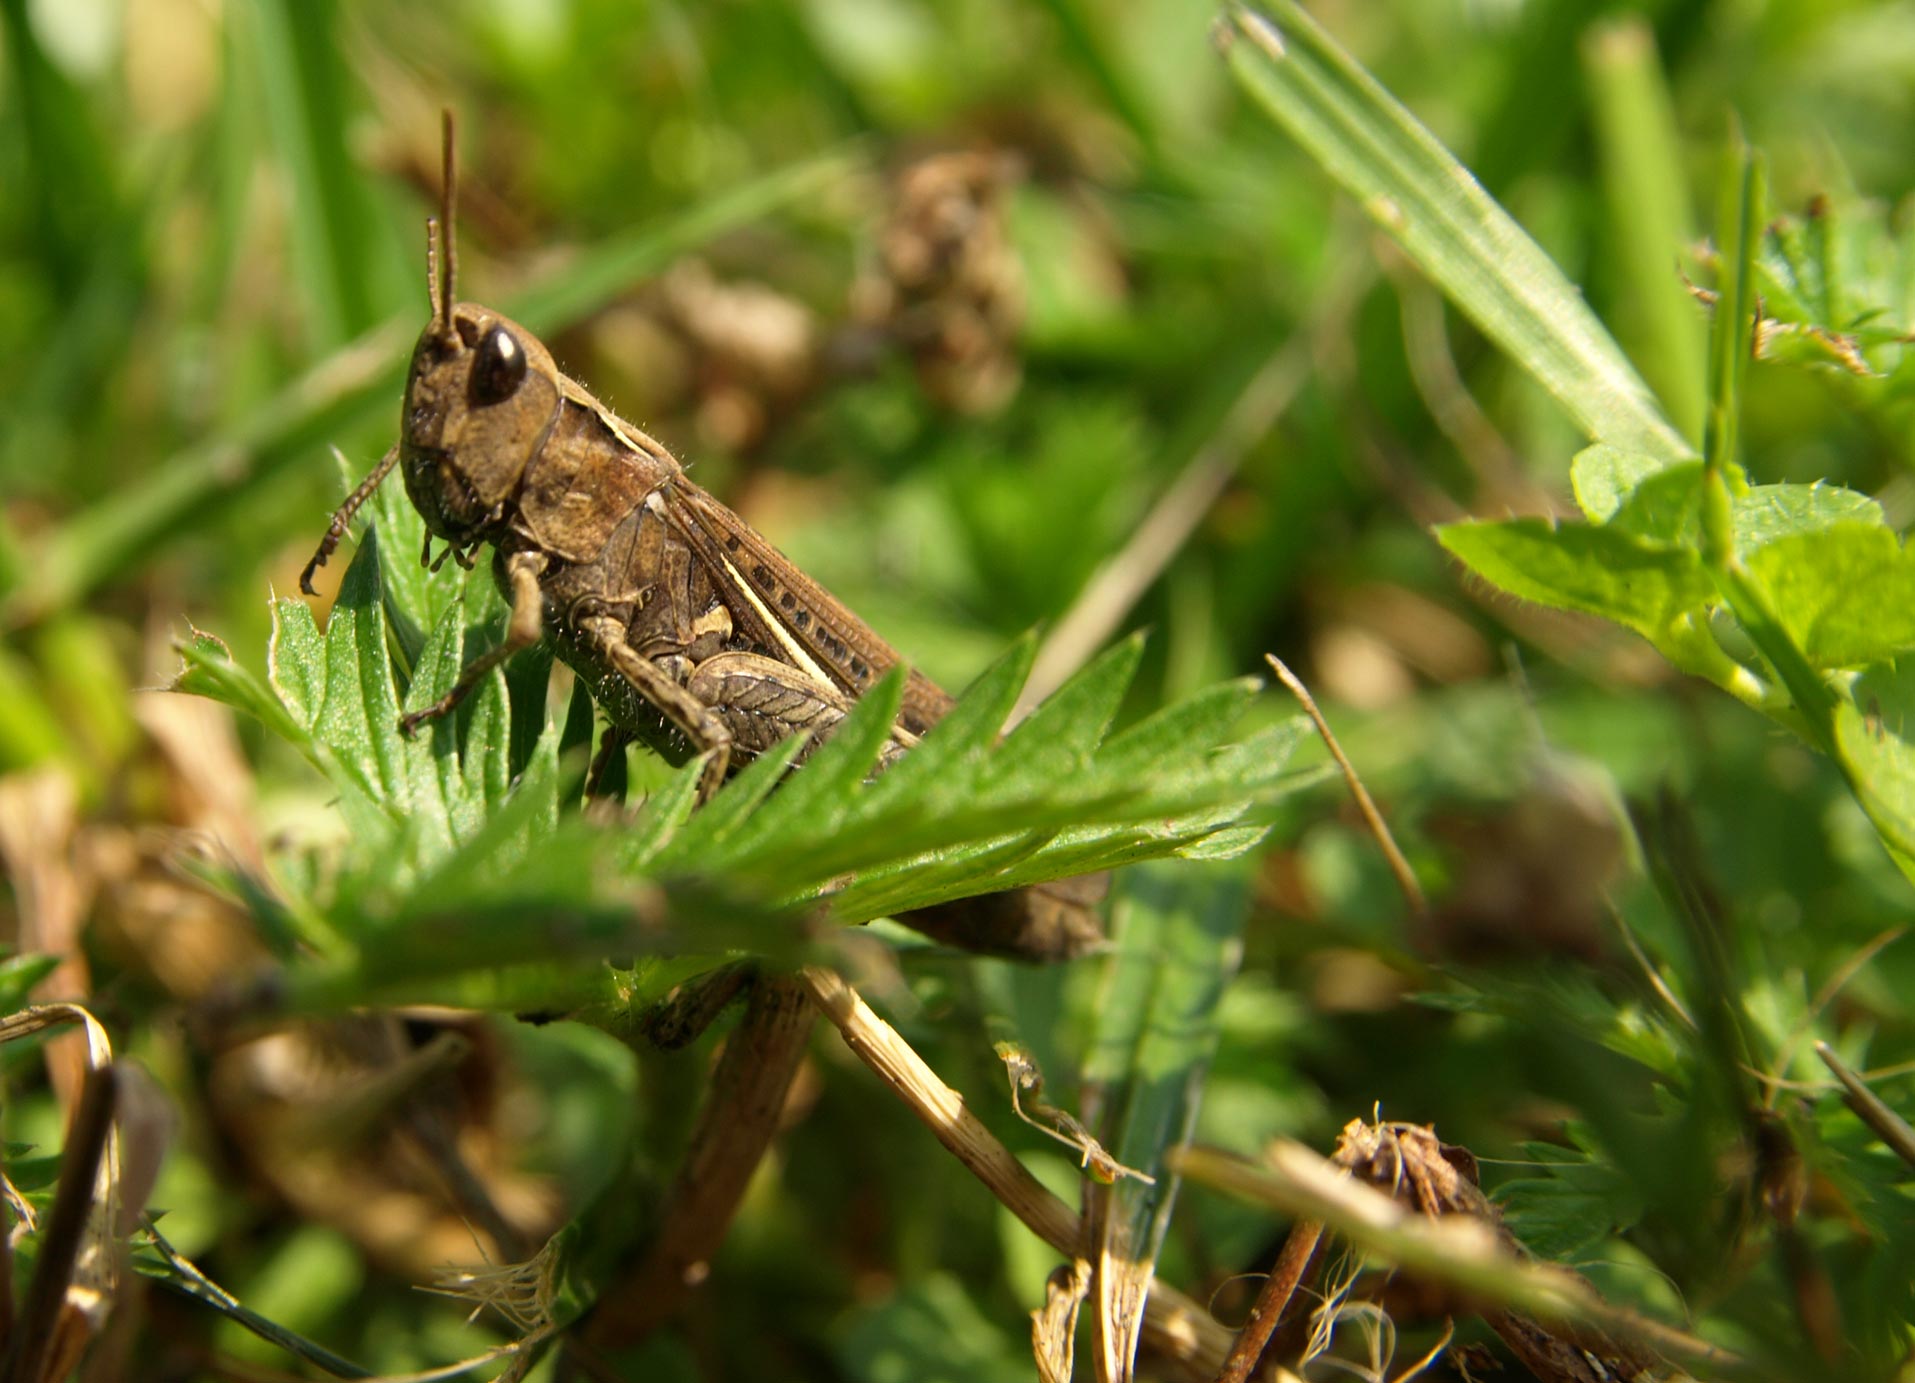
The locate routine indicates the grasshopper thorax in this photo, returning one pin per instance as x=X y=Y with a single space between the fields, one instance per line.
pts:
x=481 y=399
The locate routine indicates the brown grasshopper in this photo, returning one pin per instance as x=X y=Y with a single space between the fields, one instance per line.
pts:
x=693 y=634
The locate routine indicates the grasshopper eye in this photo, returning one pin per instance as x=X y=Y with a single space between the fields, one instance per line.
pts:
x=500 y=368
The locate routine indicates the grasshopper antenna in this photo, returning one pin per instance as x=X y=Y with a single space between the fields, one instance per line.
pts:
x=448 y=258
x=342 y=516
x=432 y=267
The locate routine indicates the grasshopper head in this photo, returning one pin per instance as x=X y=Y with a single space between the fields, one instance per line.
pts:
x=481 y=399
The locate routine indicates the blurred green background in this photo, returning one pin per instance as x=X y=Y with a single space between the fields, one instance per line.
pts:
x=211 y=267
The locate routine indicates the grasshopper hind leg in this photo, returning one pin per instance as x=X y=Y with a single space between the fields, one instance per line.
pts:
x=702 y=727
x=1043 y=922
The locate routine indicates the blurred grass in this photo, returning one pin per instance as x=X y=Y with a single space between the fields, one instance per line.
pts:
x=210 y=266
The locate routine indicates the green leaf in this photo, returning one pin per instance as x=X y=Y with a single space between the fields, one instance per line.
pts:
x=1175 y=731
x=295 y=661
x=949 y=757
x=358 y=717
x=1603 y=477
x=1598 y=571
x=665 y=811
x=821 y=791
x=1880 y=765
x=462 y=773
x=1469 y=246
x=732 y=806
x=1844 y=594
x=1663 y=504
x=1665 y=508
x=1574 y=1207
x=1065 y=731
x=208 y=669
x=1770 y=512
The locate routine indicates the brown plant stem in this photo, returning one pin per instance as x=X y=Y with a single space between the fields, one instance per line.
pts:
x=735 y=1127
x=1174 y=1325
x=64 y=1230
x=1405 y=877
x=1293 y=1261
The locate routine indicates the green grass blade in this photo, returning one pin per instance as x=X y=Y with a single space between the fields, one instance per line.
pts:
x=140 y=520
x=1179 y=930
x=331 y=222
x=1444 y=220
x=608 y=269
x=1638 y=143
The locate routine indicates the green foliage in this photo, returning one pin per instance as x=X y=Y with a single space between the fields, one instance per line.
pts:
x=445 y=828
x=1648 y=900
x=1811 y=576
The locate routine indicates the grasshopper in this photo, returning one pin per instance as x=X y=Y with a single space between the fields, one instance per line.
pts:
x=692 y=633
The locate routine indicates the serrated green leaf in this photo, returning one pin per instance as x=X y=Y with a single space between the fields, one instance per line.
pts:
x=209 y=669
x=527 y=678
x=509 y=832
x=358 y=717
x=1232 y=842
x=948 y=757
x=732 y=806
x=296 y=661
x=665 y=811
x=439 y=788
x=1578 y=1204
x=1845 y=594
x=1597 y=571
x=1172 y=732
x=822 y=790
x=1067 y=728
x=416 y=599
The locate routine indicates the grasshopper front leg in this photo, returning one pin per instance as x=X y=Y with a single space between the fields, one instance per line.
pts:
x=522 y=571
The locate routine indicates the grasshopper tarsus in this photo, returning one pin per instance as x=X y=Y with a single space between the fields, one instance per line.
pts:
x=409 y=724
x=335 y=530
x=306 y=586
